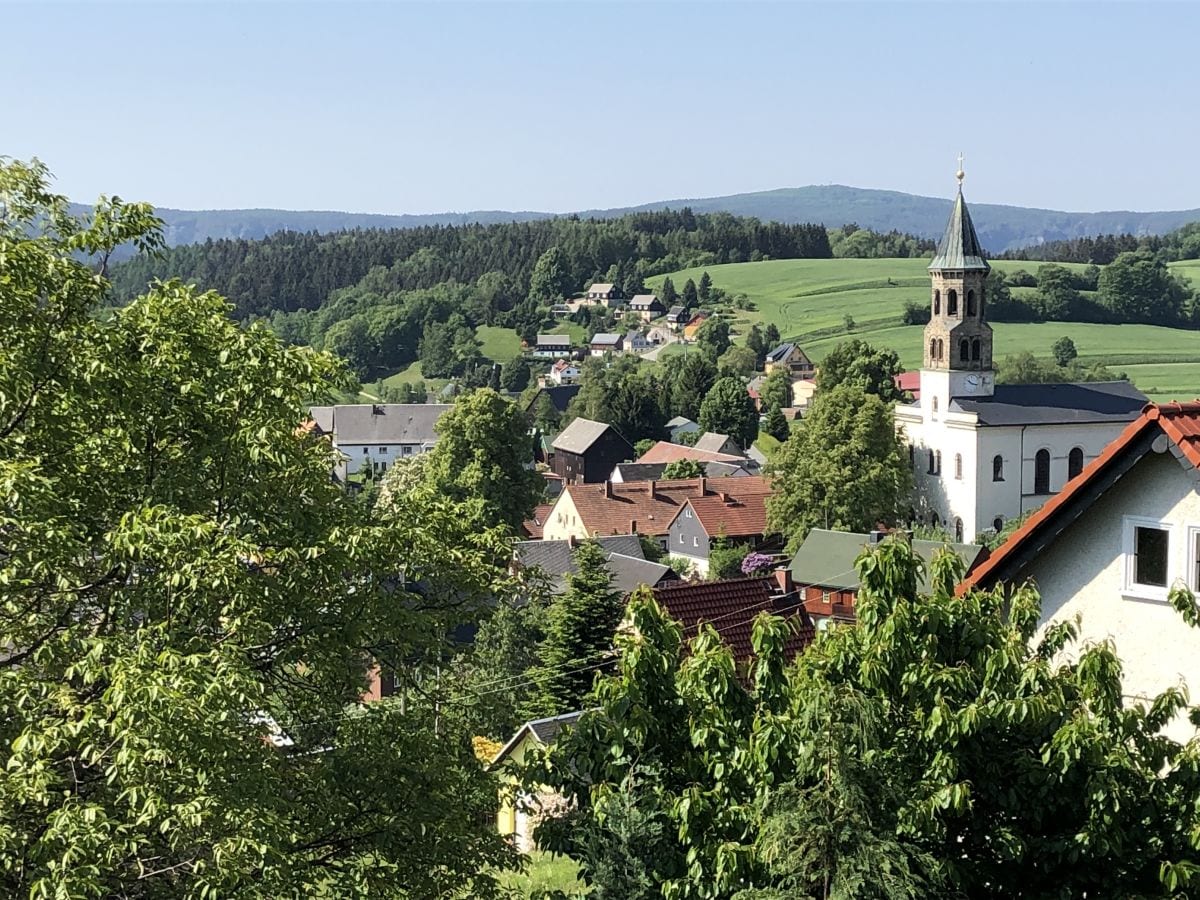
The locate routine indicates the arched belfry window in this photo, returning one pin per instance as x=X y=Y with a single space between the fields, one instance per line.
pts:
x=958 y=466
x=970 y=303
x=975 y=350
x=937 y=303
x=941 y=349
x=964 y=350
x=1075 y=462
x=932 y=349
x=997 y=468
x=1041 y=472
x=952 y=303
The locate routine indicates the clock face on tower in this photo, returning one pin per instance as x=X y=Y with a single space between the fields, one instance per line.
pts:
x=972 y=383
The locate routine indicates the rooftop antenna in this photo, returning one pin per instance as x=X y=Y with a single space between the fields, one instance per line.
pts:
x=960 y=174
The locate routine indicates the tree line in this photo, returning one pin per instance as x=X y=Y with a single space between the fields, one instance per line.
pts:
x=1182 y=243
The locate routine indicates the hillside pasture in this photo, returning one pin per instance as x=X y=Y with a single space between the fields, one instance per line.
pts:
x=808 y=300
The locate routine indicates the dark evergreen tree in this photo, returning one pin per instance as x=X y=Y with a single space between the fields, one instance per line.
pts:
x=668 y=295
x=772 y=336
x=514 y=374
x=704 y=289
x=757 y=342
x=776 y=424
x=691 y=297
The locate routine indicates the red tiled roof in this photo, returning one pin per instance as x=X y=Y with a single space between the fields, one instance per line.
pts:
x=533 y=526
x=735 y=511
x=731 y=606
x=666 y=452
x=1180 y=422
x=650 y=506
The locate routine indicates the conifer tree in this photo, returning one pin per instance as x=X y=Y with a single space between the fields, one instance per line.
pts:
x=776 y=424
x=704 y=289
x=729 y=409
x=668 y=295
x=772 y=336
x=691 y=297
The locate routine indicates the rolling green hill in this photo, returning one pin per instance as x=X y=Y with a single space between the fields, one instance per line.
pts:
x=809 y=299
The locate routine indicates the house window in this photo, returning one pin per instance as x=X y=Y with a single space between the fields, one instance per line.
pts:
x=1075 y=462
x=1194 y=535
x=1041 y=472
x=958 y=466
x=407 y=451
x=825 y=597
x=695 y=541
x=997 y=468
x=383 y=451
x=681 y=539
x=687 y=511
x=912 y=455
x=366 y=450
x=1147 y=555
x=958 y=530
x=952 y=303
x=934 y=406
x=932 y=470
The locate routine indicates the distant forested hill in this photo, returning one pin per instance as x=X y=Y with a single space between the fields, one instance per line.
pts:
x=1000 y=227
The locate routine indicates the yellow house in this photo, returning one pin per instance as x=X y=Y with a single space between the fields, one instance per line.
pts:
x=519 y=810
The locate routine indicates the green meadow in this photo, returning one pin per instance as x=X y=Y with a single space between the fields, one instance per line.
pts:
x=809 y=299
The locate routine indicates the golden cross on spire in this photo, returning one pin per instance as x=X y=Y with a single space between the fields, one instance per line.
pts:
x=960 y=174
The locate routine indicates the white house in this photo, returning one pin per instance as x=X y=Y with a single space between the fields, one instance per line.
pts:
x=604 y=294
x=564 y=372
x=1109 y=548
x=552 y=346
x=377 y=434
x=636 y=342
x=606 y=343
x=984 y=453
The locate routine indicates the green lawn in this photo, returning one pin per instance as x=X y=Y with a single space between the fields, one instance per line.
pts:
x=808 y=299
x=500 y=344
x=545 y=873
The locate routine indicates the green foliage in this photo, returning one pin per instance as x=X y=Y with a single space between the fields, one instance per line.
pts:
x=667 y=293
x=550 y=280
x=1138 y=287
x=844 y=467
x=1064 y=351
x=725 y=559
x=690 y=296
x=737 y=361
x=579 y=634
x=448 y=348
x=713 y=336
x=683 y=468
x=190 y=606
x=514 y=375
x=758 y=343
x=852 y=242
x=688 y=378
x=776 y=424
x=869 y=369
x=729 y=409
x=622 y=394
x=776 y=391
x=481 y=461
x=1025 y=368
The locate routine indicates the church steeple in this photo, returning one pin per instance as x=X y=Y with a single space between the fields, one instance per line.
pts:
x=958 y=337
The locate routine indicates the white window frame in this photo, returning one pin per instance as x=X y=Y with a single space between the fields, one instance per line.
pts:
x=1193 y=549
x=1133 y=589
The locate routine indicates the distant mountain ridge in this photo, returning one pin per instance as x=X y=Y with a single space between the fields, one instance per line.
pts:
x=1000 y=227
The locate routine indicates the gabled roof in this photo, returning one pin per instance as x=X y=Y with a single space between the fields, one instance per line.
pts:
x=826 y=558
x=680 y=420
x=543 y=731
x=1055 y=404
x=644 y=300
x=783 y=351
x=625 y=560
x=654 y=471
x=554 y=340
x=534 y=525
x=381 y=423
x=960 y=247
x=676 y=311
x=734 y=511
x=1173 y=427
x=731 y=607
x=600 y=288
x=665 y=452
x=711 y=441
x=624 y=507
x=580 y=435
x=605 y=338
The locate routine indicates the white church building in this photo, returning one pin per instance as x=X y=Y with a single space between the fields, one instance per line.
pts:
x=984 y=453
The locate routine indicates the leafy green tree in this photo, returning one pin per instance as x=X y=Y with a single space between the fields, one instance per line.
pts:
x=713 y=336
x=351 y=340
x=776 y=391
x=191 y=605
x=772 y=336
x=481 y=461
x=725 y=559
x=776 y=424
x=1064 y=351
x=623 y=396
x=690 y=296
x=1057 y=296
x=550 y=280
x=728 y=409
x=683 y=468
x=872 y=370
x=844 y=468
x=1138 y=287
x=514 y=375
x=737 y=360
x=580 y=627
x=689 y=378
x=758 y=343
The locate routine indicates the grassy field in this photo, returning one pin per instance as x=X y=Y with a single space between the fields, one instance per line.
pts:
x=808 y=300
x=500 y=344
x=545 y=873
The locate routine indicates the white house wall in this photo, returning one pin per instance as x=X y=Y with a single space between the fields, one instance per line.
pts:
x=1082 y=574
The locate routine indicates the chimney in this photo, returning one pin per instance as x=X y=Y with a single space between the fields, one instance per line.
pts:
x=703 y=485
x=783 y=580
x=607 y=490
x=653 y=492
x=724 y=497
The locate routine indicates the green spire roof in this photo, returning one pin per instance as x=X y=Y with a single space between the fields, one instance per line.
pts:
x=959 y=247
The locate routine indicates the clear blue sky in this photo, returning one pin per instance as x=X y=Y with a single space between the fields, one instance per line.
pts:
x=403 y=107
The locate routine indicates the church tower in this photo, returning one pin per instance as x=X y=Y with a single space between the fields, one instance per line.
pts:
x=958 y=339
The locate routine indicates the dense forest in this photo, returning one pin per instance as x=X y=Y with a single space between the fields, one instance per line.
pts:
x=1182 y=243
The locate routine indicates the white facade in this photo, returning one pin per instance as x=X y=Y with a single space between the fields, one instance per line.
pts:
x=966 y=487
x=357 y=456
x=1088 y=572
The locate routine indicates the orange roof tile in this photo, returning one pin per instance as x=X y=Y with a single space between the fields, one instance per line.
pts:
x=648 y=507
x=533 y=526
x=734 y=512
x=666 y=452
x=1180 y=422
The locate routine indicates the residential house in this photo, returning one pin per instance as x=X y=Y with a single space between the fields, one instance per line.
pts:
x=377 y=434
x=730 y=607
x=603 y=343
x=586 y=451
x=910 y=383
x=519 y=810
x=624 y=557
x=564 y=372
x=984 y=453
x=637 y=507
x=532 y=527
x=734 y=509
x=823 y=569
x=665 y=452
x=648 y=306
x=552 y=346
x=692 y=328
x=712 y=442
x=1110 y=546
x=636 y=342
x=677 y=315
x=603 y=294
x=681 y=425
x=803 y=391
x=623 y=472
x=660 y=334
x=789 y=356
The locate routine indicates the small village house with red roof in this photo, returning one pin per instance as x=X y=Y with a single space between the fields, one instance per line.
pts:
x=692 y=328
x=666 y=452
x=1112 y=544
x=730 y=511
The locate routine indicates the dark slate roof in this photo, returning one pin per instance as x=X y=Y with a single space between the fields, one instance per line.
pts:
x=580 y=435
x=382 y=423
x=623 y=553
x=1056 y=404
x=544 y=731
x=826 y=558
x=780 y=352
x=560 y=395
x=960 y=247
